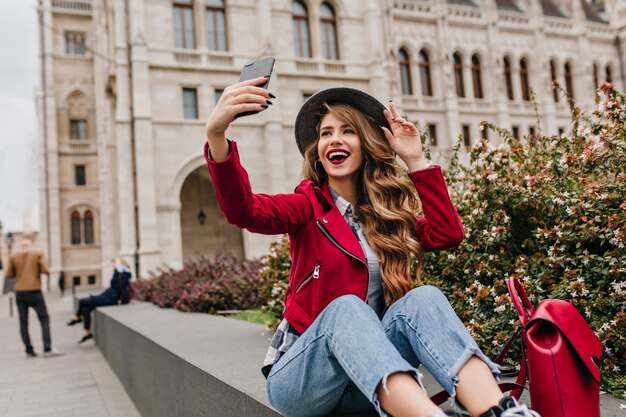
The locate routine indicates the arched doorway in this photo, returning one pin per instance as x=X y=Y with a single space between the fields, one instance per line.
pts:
x=203 y=227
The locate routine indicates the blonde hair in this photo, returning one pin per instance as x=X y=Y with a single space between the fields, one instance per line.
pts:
x=386 y=203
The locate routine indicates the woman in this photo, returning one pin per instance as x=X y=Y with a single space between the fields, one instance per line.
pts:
x=354 y=332
x=118 y=291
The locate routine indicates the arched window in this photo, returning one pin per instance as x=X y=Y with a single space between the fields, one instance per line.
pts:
x=88 y=227
x=301 y=36
x=184 y=32
x=458 y=75
x=524 y=79
x=425 y=79
x=508 y=78
x=596 y=77
x=609 y=75
x=569 y=79
x=405 y=72
x=216 y=25
x=75 y=228
x=328 y=24
x=477 y=77
x=554 y=78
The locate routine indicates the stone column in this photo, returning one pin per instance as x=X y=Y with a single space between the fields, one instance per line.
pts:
x=124 y=163
x=149 y=252
x=51 y=202
x=376 y=28
x=443 y=64
x=104 y=143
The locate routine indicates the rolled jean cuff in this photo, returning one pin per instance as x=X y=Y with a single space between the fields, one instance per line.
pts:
x=374 y=398
x=467 y=354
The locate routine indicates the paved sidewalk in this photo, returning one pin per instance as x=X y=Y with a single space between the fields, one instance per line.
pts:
x=79 y=383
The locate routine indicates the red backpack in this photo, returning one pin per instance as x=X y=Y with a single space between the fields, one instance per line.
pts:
x=560 y=357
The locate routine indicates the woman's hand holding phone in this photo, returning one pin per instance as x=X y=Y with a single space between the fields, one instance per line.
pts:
x=244 y=96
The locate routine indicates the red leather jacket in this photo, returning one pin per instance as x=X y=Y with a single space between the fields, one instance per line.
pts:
x=327 y=259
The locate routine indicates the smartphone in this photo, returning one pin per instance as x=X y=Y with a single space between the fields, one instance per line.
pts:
x=254 y=69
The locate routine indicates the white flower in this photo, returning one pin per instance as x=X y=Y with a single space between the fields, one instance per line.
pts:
x=571 y=210
x=451 y=256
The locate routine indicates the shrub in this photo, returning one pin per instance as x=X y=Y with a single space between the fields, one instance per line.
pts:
x=206 y=286
x=550 y=210
x=275 y=273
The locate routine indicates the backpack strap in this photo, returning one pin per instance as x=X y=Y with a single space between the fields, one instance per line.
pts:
x=520 y=300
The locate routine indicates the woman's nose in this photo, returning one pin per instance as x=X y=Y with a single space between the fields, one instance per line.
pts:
x=336 y=139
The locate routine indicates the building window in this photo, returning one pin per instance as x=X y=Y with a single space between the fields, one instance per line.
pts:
x=524 y=79
x=405 y=72
x=306 y=96
x=425 y=78
x=88 y=227
x=609 y=75
x=74 y=43
x=78 y=129
x=561 y=131
x=515 y=130
x=432 y=134
x=531 y=131
x=458 y=75
x=596 y=77
x=79 y=175
x=76 y=280
x=218 y=94
x=91 y=280
x=484 y=133
x=301 y=35
x=477 y=78
x=184 y=32
x=190 y=103
x=328 y=23
x=75 y=227
x=467 y=140
x=216 y=25
x=569 y=79
x=508 y=78
x=553 y=75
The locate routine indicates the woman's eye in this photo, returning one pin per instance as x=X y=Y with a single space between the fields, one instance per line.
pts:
x=348 y=132
x=325 y=133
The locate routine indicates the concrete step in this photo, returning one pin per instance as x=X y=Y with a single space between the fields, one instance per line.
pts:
x=191 y=364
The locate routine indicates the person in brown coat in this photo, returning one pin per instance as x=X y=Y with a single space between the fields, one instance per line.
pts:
x=27 y=265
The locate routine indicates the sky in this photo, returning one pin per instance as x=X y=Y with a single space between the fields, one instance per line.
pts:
x=19 y=69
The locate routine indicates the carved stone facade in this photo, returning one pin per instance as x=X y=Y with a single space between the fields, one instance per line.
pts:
x=128 y=84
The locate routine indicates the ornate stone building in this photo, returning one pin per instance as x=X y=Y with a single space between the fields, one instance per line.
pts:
x=127 y=86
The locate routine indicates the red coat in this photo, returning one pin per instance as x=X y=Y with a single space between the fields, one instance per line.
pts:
x=327 y=259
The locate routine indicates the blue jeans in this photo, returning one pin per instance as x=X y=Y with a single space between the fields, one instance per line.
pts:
x=338 y=363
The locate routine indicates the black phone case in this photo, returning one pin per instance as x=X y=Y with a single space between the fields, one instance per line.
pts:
x=254 y=69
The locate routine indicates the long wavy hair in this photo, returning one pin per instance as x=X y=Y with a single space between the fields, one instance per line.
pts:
x=386 y=204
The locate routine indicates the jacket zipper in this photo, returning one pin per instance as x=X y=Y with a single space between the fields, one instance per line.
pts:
x=344 y=250
x=315 y=274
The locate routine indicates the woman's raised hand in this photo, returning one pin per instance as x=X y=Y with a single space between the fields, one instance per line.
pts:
x=237 y=98
x=404 y=139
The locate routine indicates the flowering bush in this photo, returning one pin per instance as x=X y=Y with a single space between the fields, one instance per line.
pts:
x=550 y=210
x=275 y=273
x=206 y=286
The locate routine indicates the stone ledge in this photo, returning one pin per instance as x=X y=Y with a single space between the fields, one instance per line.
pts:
x=186 y=364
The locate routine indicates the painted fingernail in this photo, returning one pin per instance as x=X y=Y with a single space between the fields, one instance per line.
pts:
x=271 y=95
x=265 y=106
x=267 y=76
x=269 y=102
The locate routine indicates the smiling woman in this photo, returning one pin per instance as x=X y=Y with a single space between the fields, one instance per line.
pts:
x=354 y=331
